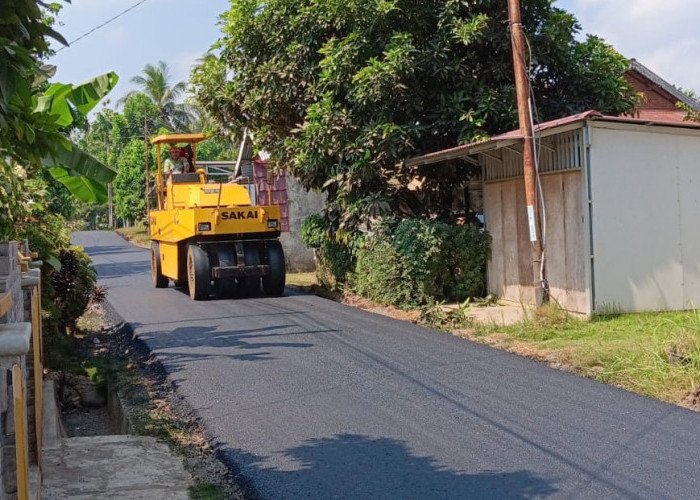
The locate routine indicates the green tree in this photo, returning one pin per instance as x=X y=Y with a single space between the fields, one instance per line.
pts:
x=342 y=92
x=155 y=83
x=692 y=113
x=129 y=185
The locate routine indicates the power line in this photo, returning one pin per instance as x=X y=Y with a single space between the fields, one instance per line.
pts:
x=102 y=25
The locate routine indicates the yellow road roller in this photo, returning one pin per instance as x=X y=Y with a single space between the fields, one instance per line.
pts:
x=206 y=234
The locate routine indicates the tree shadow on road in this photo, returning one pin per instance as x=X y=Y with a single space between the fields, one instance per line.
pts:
x=356 y=466
x=252 y=344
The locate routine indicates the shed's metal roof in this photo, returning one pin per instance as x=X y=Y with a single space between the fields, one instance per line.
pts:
x=546 y=128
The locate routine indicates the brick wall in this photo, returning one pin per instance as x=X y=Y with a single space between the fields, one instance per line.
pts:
x=654 y=96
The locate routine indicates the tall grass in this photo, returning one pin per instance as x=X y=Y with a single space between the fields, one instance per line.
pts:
x=654 y=354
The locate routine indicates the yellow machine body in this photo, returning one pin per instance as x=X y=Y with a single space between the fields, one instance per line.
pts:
x=213 y=216
x=170 y=227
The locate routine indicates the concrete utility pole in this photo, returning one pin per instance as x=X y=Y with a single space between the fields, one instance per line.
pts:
x=148 y=173
x=529 y=173
x=110 y=198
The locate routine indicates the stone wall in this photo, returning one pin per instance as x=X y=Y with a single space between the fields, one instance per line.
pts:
x=10 y=281
x=302 y=203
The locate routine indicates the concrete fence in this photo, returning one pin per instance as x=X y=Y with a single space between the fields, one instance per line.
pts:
x=21 y=374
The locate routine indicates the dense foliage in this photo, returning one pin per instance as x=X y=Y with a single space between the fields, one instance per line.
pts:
x=404 y=263
x=416 y=261
x=36 y=117
x=342 y=92
x=68 y=281
x=130 y=184
x=42 y=170
x=334 y=260
x=73 y=284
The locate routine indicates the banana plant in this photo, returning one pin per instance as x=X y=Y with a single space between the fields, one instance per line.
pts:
x=83 y=175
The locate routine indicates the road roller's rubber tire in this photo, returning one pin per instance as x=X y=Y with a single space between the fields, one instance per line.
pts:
x=251 y=284
x=198 y=273
x=159 y=281
x=273 y=284
x=224 y=288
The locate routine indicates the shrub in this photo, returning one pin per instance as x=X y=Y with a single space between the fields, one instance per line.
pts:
x=47 y=234
x=314 y=231
x=379 y=274
x=73 y=285
x=334 y=260
x=418 y=261
x=420 y=245
x=466 y=254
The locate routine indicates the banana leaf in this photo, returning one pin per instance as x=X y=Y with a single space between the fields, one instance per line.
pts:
x=83 y=188
x=68 y=101
x=80 y=162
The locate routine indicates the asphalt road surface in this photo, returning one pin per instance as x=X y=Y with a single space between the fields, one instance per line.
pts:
x=313 y=399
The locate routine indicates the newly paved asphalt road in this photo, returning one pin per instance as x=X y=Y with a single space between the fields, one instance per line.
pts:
x=313 y=399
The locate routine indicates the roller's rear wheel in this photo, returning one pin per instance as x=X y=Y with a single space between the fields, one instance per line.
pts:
x=273 y=284
x=198 y=273
x=251 y=284
x=159 y=281
x=224 y=256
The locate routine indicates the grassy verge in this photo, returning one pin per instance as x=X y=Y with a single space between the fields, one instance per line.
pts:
x=653 y=354
x=138 y=235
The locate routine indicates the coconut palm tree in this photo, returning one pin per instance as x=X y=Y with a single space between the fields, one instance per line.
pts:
x=154 y=82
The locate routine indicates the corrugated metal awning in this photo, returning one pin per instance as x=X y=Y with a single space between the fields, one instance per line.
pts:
x=502 y=140
x=547 y=128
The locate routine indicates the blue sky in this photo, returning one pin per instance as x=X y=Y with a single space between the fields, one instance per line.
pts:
x=661 y=34
x=175 y=31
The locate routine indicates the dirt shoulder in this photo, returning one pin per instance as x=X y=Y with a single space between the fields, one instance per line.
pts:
x=147 y=403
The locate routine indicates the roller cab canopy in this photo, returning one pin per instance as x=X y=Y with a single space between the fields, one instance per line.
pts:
x=178 y=138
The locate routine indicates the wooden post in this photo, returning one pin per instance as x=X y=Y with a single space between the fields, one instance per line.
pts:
x=38 y=373
x=21 y=447
x=522 y=90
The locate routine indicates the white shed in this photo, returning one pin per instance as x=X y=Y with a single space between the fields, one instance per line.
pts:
x=621 y=212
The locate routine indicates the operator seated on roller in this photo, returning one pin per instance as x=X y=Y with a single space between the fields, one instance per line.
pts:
x=176 y=164
x=188 y=154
